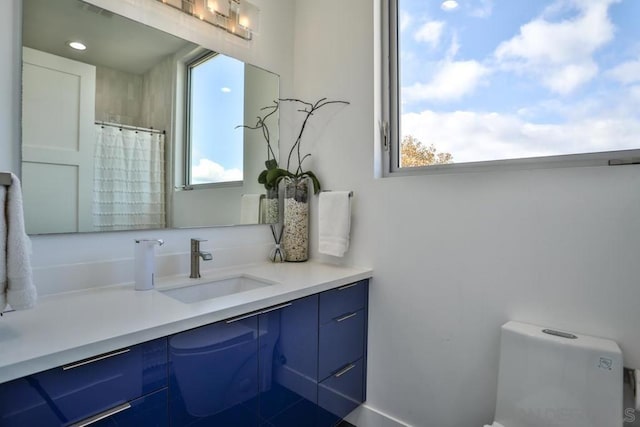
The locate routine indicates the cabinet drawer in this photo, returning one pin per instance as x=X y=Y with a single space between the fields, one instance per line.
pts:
x=67 y=394
x=341 y=342
x=342 y=300
x=148 y=411
x=341 y=393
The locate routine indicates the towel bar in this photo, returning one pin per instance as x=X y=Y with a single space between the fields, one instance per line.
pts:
x=5 y=178
x=350 y=192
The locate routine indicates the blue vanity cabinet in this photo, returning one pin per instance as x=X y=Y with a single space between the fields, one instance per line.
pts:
x=288 y=363
x=298 y=364
x=213 y=374
x=149 y=410
x=108 y=386
x=342 y=352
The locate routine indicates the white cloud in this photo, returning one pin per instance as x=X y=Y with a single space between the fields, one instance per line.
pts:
x=627 y=72
x=471 y=136
x=430 y=33
x=451 y=81
x=454 y=47
x=209 y=171
x=449 y=5
x=560 y=53
x=405 y=20
x=564 y=80
x=484 y=10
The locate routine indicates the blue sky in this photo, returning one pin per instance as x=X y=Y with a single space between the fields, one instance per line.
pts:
x=494 y=79
x=218 y=103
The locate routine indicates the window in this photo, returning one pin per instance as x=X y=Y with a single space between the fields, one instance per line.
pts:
x=497 y=80
x=215 y=106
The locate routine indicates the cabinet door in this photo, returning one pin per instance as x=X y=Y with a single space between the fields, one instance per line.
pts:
x=147 y=411
x=213 y=375
x=341 y=393
x=342 y=341
x=68 y=394
x=289 y=363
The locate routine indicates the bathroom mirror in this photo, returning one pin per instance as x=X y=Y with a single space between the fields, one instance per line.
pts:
x=105 y=130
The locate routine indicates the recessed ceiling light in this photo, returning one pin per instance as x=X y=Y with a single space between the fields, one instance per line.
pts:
x=225 y=90
x=77 y=45
x=449 y=5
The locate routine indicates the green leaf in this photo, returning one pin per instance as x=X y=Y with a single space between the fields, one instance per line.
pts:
x=314 y=179
x=262 y=178
x=275 y=175
x=271 y=164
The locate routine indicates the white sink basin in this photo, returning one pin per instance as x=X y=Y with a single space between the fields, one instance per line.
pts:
x=216 y=288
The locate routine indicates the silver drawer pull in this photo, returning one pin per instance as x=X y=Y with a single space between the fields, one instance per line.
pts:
x=342 y=288
x=343 y=371
x=101 y=416
x=95 y=359
x=236 y=319
x=348 y=316
x=278 y=307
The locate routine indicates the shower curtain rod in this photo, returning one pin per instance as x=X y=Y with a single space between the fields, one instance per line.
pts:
x=117 y=125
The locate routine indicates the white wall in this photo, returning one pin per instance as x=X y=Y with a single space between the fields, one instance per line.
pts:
x=10 y=51
x=455 y=256
x=119 y=96
x=63 y=261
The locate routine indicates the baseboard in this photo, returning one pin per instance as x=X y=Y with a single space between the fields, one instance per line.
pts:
x=366 y=416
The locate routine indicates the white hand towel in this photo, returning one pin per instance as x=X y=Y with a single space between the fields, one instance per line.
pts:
x=334 y=213
x=250 y=208
x=16 y=282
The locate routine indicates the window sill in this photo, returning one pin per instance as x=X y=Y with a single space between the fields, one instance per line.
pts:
x=608 y=158
x=212 y=185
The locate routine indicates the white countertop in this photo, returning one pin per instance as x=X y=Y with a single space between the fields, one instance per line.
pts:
x=71 y=326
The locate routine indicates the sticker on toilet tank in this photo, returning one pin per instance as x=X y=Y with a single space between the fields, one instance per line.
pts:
x=605 y=363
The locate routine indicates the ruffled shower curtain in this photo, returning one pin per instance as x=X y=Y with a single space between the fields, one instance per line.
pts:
x=128 y=180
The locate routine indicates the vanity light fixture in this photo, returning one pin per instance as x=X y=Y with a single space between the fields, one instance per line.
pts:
x=220 y=7
x=238 y=17
x=76 y=45
x=249 y=17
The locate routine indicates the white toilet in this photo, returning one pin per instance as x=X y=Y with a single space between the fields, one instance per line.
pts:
x=550 y=378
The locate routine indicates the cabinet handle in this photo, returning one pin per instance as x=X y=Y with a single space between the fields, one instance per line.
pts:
x=344 y=370
x=348 y=316
x=278 y=307
x=95 y=359
x=235 y=319
x=342 y=288
x=101 y=416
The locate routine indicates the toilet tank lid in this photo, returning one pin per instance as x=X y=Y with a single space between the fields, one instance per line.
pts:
x=580 y=340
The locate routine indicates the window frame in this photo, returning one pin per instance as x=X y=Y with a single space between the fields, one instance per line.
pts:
x=390 y=124
x=189 y=65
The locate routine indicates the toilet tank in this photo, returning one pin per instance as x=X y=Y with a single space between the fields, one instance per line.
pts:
x=549 y=378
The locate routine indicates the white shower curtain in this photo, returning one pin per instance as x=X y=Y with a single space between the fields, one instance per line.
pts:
x=128 y=180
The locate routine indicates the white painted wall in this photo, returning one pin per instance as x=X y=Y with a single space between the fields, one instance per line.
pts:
x=455 y=256
x=63 y=261
x=10 y=50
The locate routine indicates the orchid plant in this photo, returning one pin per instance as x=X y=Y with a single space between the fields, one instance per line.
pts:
x=271 y=176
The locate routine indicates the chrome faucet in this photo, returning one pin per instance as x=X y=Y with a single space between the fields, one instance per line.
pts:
x=196 y=253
